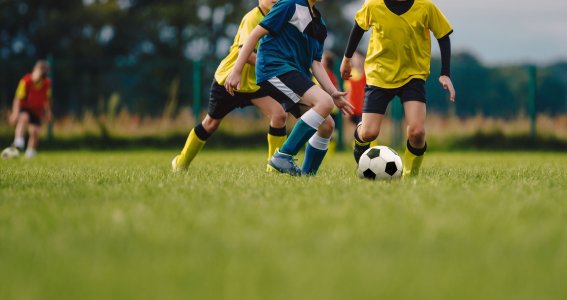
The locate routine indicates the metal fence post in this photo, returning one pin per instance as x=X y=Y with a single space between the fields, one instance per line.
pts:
x=197 y=90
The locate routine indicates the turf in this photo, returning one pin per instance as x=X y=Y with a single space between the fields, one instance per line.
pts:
x=119 y=225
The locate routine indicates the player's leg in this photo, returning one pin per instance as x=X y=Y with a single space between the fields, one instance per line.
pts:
x=366 y=132
x=415 y=112
x=291 y=89
x=413 y=98
x=220 y=104
x=33 y=141
x=278 y=117
x=317 y=147
x=376 y=102
x=21 y=125
x=321 y=105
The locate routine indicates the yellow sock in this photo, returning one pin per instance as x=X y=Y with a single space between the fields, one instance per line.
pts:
x=374 y=143
x=332 y=148
x=192 y=146
x=412 y=163
x=274 y=142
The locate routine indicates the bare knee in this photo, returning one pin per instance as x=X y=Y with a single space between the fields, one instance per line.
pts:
x=327 y=127
x=24 y=118
x=368 y=134
x=325 y=105
x=210 y=124
x=278 y=118
x=416 y=135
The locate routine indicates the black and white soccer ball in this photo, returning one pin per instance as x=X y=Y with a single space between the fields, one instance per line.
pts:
x=10 y=152
x=380 y=163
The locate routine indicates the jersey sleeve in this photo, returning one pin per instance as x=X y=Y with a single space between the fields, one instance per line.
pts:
x=319 y=53
x=278 y=16
x=21 y=91
x=364 y=17
x=438 y=23
x=249 y=22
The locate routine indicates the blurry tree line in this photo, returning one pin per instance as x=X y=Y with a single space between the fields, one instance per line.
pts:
x=146 y=52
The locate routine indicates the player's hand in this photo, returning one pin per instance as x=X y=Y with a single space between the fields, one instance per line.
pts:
x=448 y=85
x=232 y=82
x=13 y=118
x=342 y=103
x=346 y=68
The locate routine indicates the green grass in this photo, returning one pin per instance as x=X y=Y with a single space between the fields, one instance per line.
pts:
x=119 y=225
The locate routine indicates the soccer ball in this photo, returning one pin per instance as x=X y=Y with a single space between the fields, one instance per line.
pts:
x=380 y=163
x=10 y=152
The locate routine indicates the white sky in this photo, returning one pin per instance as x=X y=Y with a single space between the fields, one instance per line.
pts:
x=508 y=31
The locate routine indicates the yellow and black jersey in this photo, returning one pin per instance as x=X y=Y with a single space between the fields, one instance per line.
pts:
x=248 y=81
x=400 y=44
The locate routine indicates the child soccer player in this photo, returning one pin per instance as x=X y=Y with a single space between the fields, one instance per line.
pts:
x=355 y=87
x=221 y=103
x=294 y=34
x=397 y=64
x=32 y=101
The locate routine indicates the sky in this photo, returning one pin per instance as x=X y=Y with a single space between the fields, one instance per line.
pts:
x=507 y=31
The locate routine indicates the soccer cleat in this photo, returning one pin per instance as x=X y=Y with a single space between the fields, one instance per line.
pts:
x=358 y=150
x=175 y=167
x=284 y=163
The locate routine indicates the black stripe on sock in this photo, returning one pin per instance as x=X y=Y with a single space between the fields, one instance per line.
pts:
x=415 y=151
x=201 y=133
x=277 y=131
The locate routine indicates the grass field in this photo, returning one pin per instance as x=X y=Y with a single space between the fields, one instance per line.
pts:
x=119 y=225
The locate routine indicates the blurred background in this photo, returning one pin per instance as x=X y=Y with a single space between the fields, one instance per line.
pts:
x=136 y=73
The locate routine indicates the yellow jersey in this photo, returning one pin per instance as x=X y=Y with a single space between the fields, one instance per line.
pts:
x=400 y=45
x=248 y=81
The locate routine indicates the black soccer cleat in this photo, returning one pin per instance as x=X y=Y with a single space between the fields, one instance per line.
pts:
x=358 y=150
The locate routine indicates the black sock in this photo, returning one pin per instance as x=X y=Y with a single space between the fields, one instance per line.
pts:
x=201 y=133
x=416 y=151
x=277 y=131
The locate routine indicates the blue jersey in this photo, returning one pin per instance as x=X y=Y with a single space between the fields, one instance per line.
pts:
x=296 y=39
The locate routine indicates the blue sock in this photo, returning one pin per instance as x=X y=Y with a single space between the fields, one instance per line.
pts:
x=313 y=159
x=297 y=138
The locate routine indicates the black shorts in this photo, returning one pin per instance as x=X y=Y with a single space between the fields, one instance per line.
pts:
x=221 y=103
x=288 y=89
x=34 y=119
x=376 y=99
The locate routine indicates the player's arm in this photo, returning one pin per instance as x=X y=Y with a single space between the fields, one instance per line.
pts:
x=47 y=107
x=445 y=77
x=355 y=36
x=232 y=82
x=325 y=82
x=252 y=59
x=16 y=105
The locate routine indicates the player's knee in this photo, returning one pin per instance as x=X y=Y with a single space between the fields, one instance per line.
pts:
x=367 y=133
x=416 y=134
x=326 y=105
x=24 y=117
x=327 y=127
x=279 y=118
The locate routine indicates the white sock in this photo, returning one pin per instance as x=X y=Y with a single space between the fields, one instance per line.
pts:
x=19 y=142
x=312 y=118
x=30 y=153
x=318 y=142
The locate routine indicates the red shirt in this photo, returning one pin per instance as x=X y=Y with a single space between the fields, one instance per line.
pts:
x=33 y=96
x=356 y=93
